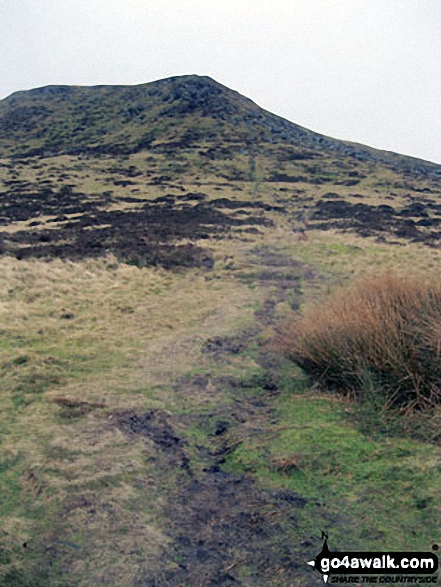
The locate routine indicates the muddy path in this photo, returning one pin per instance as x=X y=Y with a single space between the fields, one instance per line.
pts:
x=145 y=492
x=224 y=528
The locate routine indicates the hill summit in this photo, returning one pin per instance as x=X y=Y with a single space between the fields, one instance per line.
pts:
x=151 y=172
x=178 y=112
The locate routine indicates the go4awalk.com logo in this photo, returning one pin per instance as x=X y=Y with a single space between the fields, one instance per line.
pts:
x=411 y=568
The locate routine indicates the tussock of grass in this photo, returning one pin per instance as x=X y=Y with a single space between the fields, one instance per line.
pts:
x=382 y=331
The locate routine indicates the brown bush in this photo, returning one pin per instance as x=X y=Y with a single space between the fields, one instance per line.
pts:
x=381 y=332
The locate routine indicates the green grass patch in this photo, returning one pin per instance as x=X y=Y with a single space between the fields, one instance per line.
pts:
x=353 y=482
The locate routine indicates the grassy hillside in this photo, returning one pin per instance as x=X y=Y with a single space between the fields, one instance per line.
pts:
x=153 y=240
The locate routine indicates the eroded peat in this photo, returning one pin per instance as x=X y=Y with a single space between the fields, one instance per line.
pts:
x=147 y=235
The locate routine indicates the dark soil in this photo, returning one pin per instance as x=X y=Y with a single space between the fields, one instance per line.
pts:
x=418 y=222
x=222 y=525
x=157 y=427
x=24 y=200
x=147 y=235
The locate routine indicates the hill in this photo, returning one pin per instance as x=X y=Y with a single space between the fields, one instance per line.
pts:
x=153 y=240
x=72 y=151
x=174 y=113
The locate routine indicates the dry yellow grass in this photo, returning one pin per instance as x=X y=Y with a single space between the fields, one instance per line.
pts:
x=382 y=330
x=81 y=342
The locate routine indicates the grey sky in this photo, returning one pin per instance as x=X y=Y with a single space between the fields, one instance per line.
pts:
x=361 y=70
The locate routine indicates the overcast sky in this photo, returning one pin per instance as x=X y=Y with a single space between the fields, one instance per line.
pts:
x=361 y=70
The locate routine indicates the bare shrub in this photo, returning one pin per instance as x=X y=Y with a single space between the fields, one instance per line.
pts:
x=382 y=330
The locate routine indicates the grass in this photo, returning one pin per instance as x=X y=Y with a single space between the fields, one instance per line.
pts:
x=352 y=481
x=68 y=473
x=79 y=481
x=380 y=332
